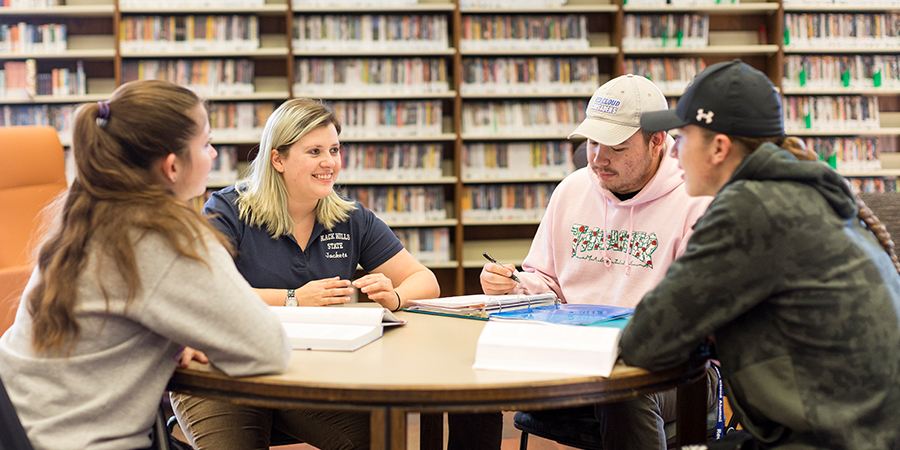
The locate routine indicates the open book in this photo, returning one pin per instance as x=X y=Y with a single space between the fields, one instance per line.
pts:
x=333 y=328
x=523 y=346
x=480 y=306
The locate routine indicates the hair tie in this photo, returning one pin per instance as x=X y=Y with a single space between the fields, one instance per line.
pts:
x=104 y=112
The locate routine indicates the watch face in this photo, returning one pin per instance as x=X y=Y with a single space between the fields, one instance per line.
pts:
x=291 y=301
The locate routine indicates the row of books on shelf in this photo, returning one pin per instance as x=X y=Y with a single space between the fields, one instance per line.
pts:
x=841 y=2
x=370 y=76
x=841 y=71
x=362 y=162
x=185 y=4
x=19 y=80
x=30 y=4
x=156 y=34
x=427 y=245
x=652 y=3
x=857 y=154
x=299 y=4
x=841 y=30
x=205 y=76
x=389 y=118
x=369 y=32
x=524 y=32
x=869 y=185
x=536 y=4
x=238 y=117
x=830 y=113
x=529 y=75
x=668 y=74
x=56 y=116
x=505 y=201
x=507 y=160
x=401 y=204
x=646 y=31
x=540 y=117
x=23 y=37
x=224 y=170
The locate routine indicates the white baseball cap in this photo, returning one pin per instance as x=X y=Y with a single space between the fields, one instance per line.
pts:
x=614 y=112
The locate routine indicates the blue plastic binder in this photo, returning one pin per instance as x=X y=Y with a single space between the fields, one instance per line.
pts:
x=570 y=314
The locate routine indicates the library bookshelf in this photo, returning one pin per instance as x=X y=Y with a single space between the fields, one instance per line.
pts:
x=457 y=112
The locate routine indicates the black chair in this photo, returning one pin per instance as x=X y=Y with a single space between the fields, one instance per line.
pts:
x=12 y=435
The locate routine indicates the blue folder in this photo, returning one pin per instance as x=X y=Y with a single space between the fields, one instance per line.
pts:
x=567 y=314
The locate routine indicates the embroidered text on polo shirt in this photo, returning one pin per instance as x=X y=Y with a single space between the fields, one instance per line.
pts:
x=336 y=246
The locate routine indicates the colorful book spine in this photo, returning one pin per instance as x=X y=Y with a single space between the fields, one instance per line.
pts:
x=370 y=76
x=532 y=118
x=498 y=202
x=574 y=75
x=524 y=32
x=371 y=162
x=401 y=204
x=507 y=160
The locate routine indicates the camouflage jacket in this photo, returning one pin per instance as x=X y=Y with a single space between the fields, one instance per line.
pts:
x=803 y=304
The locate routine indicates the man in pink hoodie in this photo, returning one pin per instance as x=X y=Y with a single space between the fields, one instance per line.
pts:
x=609 y=234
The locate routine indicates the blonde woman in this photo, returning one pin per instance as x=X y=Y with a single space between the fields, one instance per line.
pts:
x=128 y=274
x=299 y=243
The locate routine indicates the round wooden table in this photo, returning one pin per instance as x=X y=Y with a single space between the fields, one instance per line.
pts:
x=426 y=366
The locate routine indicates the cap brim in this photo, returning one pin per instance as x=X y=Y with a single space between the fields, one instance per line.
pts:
x=654 y=121
x=606 y=133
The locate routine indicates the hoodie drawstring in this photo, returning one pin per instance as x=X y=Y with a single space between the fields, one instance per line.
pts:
x=606 y=260
x=628 y=249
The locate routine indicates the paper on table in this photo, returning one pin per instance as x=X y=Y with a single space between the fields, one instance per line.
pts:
x=540 y=347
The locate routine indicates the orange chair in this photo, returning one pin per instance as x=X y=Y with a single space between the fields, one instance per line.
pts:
x=32 y=173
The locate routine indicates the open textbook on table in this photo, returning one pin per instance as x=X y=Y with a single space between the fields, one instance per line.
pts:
x=480 y=306
x=343 y=328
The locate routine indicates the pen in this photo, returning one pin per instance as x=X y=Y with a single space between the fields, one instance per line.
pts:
x=491 y=259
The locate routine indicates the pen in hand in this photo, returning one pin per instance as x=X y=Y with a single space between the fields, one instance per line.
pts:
x=491 y=259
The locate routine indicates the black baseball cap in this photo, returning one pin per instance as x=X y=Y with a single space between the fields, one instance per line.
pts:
x=728 y=97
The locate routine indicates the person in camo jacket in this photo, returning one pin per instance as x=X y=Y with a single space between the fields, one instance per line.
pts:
x=802 y=302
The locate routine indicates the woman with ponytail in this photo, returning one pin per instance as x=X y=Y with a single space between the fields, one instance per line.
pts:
x=127 y=275
x=792 y=277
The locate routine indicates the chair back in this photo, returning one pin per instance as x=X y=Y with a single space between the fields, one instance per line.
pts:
x=12 y=435
x=32 y=173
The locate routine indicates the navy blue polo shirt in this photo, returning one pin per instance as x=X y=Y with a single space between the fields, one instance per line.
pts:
x=281 y=264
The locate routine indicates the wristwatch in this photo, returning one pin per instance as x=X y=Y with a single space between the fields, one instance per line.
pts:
x=291 y=300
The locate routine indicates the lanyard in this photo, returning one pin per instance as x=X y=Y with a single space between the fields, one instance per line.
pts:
x=720 y=407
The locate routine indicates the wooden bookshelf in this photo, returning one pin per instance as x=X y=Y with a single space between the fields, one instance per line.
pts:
x=753 y=30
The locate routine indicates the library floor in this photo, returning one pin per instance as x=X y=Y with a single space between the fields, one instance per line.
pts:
x=510 y=437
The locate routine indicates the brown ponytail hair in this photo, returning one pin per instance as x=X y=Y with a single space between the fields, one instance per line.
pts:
x=116 y=197
x=801 y=152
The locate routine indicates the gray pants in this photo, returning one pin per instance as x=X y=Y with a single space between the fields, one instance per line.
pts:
x=637 y=424
x=211 y=424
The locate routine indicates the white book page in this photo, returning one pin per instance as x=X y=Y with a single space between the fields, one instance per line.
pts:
x=541 y=347
x=336 y=315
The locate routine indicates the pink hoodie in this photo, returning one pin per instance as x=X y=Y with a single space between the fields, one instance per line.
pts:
x=579 y=250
